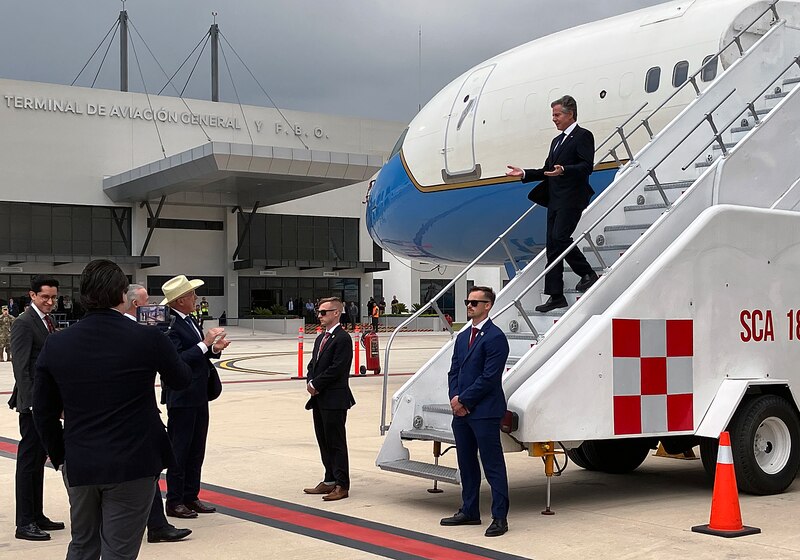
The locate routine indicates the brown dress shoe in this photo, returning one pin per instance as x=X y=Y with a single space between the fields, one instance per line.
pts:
x=200 y=507
x=180 y=511
x=320 y=488
x=338 y=493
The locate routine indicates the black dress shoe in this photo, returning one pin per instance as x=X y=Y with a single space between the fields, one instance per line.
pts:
x=459 y=519
x=553 y=302
x=497 y=528
x=167 y=534
x=180 y=511
x=586 y=282
x=31 y=533
x=200 y=507
x=47 y=525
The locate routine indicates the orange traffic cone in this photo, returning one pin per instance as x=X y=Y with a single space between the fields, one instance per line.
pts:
x=726 y=517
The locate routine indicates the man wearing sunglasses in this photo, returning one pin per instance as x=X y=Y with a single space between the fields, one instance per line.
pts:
x=478 y=404
x=329 y=387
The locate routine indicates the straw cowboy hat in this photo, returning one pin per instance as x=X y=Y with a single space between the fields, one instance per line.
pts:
x=177 y=287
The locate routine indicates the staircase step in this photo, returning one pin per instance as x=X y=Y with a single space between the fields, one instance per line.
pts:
x=672 y=185
x=640 y=207
x=776 y=95
x=728 y=146
x=429 y=434
x=520 y=336
x=439 y=408
x=788 y=81
x=422 y=470
x=622 y=233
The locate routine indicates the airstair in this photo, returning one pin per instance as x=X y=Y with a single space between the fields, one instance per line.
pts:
x=733 y=145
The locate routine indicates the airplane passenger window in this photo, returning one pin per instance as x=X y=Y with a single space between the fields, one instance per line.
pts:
x=710 y=71
x=680 y=73
x=652 y=79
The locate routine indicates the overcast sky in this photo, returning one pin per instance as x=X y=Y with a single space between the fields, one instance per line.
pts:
x=347 y=57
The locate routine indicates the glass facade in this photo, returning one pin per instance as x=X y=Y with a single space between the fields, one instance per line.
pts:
x=428 y=288
x=287 y=237
x=60 y=229
x=266 y=291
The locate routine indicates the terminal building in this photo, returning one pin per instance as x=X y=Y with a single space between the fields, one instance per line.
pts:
x=263 y=205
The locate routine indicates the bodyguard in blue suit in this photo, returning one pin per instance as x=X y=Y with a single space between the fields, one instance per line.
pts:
x=478 y=403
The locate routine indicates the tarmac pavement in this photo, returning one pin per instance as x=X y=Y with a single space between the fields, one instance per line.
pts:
x=261 y=448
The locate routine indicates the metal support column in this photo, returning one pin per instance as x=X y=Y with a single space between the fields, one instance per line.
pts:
x=123 y=50
x=152 y=220
x=214 y=31
x=246 y=229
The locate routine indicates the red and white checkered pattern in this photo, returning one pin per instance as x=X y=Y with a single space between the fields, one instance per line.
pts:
x=653 y=387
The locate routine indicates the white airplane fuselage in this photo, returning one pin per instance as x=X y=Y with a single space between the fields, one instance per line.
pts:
x=443 y=195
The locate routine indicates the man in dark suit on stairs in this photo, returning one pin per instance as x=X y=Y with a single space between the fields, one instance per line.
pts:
x=187 y=410
x=475 y=382
x=28 y=334
x=565 y=191
x=329 y=387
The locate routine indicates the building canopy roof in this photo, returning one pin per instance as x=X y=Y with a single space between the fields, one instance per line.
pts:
x=231 y=174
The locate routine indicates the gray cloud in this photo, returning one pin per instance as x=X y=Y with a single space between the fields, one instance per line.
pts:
x=349 y=57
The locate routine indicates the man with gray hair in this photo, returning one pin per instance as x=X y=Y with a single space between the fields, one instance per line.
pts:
x=158 y=528
x=565 y=191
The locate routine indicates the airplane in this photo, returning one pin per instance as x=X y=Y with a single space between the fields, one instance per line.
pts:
x=443 y=196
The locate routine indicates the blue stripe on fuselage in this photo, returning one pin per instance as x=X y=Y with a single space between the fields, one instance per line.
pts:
x=453 y=226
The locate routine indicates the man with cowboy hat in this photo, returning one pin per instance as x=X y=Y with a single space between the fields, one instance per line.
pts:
x=187 y=410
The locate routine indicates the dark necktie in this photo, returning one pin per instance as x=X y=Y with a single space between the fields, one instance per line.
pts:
x=51 y=327
x=558 y=143
x=475 y=331
x=324 y=340
x=193 y=325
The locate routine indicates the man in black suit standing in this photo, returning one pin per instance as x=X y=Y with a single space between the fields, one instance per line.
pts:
x=565 y=191
x=187 y=410
x=329 y=387
x=101 y=373
x=28 y=334
x=158 y=528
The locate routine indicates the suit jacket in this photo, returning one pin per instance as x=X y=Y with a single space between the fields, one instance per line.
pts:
x=329 y=371
x=28 y=334
x=101 y=372
x=572 y=189
x=206 y=385
x=476 y=372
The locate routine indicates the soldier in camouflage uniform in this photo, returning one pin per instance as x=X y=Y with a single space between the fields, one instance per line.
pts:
x=5 y=334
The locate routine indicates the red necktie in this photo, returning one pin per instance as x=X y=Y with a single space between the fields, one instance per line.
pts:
x=51 y=328
x=475 y=331
x=324 y=340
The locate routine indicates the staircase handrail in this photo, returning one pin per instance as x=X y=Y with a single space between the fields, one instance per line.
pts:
x=690 y=80
x=432 y=303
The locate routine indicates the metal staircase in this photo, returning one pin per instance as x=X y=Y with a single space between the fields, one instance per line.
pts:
x=656 y=195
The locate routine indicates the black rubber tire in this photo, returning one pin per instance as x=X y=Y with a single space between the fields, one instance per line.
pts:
x=577 y=456
x=750 y=476
x=708 y=455
x=616 y=456
x=363 y=370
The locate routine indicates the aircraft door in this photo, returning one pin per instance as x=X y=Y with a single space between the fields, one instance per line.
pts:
x=459 y=140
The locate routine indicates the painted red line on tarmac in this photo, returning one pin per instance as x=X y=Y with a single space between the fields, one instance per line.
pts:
x=10 y=448
x=339 y=528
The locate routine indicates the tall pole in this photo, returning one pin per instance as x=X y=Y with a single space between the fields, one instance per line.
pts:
x=123 y=50
x=214 y=59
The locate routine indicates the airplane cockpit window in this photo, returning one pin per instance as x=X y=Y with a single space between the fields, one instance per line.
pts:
x=398 y=144
x=653 y=79
x=709 y=71
x=680 y=73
